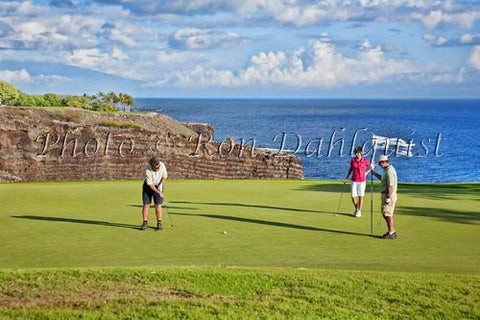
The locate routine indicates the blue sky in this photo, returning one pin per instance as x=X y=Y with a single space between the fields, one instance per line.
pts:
x=243 y=48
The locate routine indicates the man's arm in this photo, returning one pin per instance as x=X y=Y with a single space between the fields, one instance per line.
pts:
x=376 y=174
x=150 y=182
x=163 y=179
x=152 y=186
x=162 y=183
x=370 y=167
x=389 y=191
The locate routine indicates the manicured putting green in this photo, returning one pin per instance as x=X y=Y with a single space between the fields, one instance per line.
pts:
x=266 y=223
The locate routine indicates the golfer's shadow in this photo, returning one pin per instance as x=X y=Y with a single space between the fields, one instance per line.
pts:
x=171 y=205
x=271 y=223
x=228 y=204
x=81 y=221
x=165 y=205
x=350 y=215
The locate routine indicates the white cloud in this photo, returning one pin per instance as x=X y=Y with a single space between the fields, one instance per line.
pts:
x=463 y=40
x=25 y=8
x=440 y=41
x=289 y=12
x=198 y=39
x=474 y=58
x=89 y=58
x=318 y=65
x=202 y=76
x=169 y=60
x=45 y=33
x=47 y=29
x=173 y=42
x=307 y=13
x=144 y=67
x=119 y=36
x=431 y=13
x=113 y=62
x=437 y=18
x=321 y=65
x=15 y=76
x=435 y=74
x=21 y=78
x=469 y=38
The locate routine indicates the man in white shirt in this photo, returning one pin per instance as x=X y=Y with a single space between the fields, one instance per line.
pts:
x=155 y=176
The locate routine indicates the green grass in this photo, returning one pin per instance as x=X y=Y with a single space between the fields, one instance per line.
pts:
x=73 y=250
x=121 y=124
x=268 y=224
x=235 y=293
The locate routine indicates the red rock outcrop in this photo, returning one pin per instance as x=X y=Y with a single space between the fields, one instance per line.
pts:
x=55 y=144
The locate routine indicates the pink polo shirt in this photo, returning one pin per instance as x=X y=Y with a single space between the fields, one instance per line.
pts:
x=358 y=169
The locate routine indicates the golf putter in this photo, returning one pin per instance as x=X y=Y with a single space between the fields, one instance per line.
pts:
x=165 y=205
x=341 y=196
x=168 y=213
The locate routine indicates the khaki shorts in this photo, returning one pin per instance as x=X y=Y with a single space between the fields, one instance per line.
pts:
x=387 y=209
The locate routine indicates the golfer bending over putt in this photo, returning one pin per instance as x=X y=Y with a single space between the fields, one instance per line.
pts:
x=155 y=176
x=388 y=188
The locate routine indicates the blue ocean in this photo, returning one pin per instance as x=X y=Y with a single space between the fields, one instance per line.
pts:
x=443 y=135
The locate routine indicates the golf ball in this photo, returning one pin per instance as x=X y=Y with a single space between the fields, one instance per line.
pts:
x=224 y=232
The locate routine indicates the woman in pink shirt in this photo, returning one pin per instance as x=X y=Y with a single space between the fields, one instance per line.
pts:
x=358 y=169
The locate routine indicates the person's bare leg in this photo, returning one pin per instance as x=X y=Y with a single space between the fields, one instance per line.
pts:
x=145 y=209
x=158 y=211
x=354 y=202
x=360 y=203
x=390 y=224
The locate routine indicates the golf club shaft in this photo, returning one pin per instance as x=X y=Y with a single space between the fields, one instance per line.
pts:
x=341 y=196
x=371 y=191
x=168 y=213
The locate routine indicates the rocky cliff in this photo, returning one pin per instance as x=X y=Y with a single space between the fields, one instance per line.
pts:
x=42 y=144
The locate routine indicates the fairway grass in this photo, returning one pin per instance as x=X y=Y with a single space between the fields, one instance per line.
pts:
x=237 y=249
x=235 y=293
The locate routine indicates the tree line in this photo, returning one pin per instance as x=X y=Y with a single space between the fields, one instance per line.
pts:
x=103 y=102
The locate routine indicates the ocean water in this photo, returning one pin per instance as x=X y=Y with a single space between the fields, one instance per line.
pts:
x=444 y=134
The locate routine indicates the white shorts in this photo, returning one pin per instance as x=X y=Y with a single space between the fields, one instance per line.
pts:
x=358 y=188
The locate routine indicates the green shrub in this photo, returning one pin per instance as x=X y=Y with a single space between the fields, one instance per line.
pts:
x=77 y=102
x=121 y=124
x=52 y=100
x=8 y=94
x=70 y=116
x=25 y=100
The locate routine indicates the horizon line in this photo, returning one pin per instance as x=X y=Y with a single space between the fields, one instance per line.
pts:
x=306 y=98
